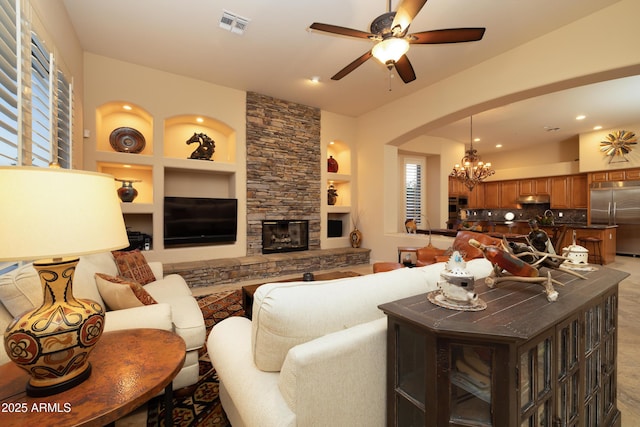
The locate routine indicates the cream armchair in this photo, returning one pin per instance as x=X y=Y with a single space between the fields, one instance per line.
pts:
x=176 y=309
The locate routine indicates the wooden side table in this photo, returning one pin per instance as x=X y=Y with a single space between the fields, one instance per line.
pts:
x=129 y=367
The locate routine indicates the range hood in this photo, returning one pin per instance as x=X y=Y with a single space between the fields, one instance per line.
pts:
x=534 y=200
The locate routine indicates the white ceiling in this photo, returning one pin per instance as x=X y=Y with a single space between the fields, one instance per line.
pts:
x=278 y=54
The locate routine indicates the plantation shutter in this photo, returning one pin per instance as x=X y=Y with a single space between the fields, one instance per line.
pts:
x=413 y=191
x=63 y=121
x=9 y=77
x=41 y=95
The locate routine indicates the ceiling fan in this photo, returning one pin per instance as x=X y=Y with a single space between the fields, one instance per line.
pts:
x=389 y=31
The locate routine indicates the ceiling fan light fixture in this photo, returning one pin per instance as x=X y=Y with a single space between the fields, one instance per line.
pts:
x=390 y=50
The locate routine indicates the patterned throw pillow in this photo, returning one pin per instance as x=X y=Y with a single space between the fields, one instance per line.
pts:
x=120 y=293
x=133 y=265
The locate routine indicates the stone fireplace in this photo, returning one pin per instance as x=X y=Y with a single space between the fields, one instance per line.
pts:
x=285 y=236
x=283 y=167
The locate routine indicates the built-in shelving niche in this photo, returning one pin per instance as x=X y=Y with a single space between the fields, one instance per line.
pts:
x=163 y=167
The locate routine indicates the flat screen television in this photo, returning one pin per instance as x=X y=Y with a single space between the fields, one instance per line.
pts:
x=192 y=221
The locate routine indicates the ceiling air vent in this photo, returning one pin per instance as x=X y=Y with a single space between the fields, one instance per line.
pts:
x=232 y=22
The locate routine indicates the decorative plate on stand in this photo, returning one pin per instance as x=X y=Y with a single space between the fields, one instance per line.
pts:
x=127 y=140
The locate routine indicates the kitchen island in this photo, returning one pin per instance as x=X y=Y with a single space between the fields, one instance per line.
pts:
x=516 y=229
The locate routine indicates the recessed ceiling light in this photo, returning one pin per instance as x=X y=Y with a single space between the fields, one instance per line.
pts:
x=597 y=127
x=331 y=142
x=199 y=120
x=581 y=117
x=127 y=107
x=315 y=79
x=498 y=145
x=476 y=139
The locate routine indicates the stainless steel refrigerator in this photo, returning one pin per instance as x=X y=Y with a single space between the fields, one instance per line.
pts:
x=618 y=203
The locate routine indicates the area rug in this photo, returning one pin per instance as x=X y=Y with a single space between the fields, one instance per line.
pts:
x=202 y=407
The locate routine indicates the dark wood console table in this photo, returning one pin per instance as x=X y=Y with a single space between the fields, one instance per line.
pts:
x=523 y=361
x=129 y=367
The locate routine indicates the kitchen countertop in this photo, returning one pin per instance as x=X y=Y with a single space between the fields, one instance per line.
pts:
x=452 y=233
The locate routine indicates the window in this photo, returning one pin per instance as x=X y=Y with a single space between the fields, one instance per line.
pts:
x=41 y=145
x=64 y=121
x=35 y=95
x=9 y=117
x=413 y=184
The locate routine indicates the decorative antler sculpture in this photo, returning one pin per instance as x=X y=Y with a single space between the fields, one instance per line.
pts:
x=519 y=270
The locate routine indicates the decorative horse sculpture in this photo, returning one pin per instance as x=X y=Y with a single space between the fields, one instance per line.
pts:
x=206 y=148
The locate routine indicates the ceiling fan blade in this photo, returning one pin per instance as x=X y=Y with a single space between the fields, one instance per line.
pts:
x=343 y=31
x=349 y=68
x=405 y=69
x=451 y=35
x=407 y=10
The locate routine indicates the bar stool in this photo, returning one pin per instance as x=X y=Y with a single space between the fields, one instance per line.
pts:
x=596 y=248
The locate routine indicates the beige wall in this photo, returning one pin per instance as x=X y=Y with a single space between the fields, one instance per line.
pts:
x=579 y=53
x=592 y=159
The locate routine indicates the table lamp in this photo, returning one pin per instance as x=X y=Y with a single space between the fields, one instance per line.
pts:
x=53 y=216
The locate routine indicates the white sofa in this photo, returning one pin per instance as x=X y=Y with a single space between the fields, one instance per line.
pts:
x=315 y=352
x=176 y=310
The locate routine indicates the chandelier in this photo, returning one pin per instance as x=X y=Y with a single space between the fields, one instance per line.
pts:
x=472 y=170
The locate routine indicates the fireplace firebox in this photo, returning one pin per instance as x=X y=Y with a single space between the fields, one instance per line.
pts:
x=285 y=236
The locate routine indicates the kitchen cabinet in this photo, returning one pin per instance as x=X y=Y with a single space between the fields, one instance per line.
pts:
x=491 y=195
x=476 y=197
x=599 y=176
x=579 y=191
x=617 y=175
x=566 y=192
x=500 y=194
x=523 y=361
x=508 y=194
x=457 y=188
x=569 y=192
x=534 y=187
x=560 y=198
x=632 y=174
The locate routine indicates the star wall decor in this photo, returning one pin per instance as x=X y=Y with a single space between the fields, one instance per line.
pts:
x=618 y=144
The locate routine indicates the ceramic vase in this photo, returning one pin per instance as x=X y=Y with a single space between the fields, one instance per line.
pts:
x=356 y=238
x=332 y=165
x=127 y=193
x=52 y=342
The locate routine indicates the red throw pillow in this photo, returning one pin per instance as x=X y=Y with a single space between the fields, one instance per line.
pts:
x=133 y=265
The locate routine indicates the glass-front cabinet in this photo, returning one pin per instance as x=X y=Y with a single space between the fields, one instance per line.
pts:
x=470 y=368
x=523 y=361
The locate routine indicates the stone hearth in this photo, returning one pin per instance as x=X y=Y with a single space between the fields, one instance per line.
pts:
x=229 y=270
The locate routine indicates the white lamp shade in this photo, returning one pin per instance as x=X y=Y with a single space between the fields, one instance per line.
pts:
x=55 y=213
